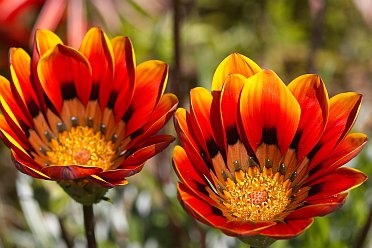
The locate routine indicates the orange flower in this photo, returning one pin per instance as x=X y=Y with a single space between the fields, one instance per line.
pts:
x=86 y=118
x=260 y=159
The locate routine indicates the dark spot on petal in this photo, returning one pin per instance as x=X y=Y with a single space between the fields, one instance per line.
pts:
x=282 y=168
x=212 y=147
x=112 y=99
x=269 y=136
x=296 y=140
x=314 y=151
x=95 y=91
x=315 y=189
x=232 y=135
x=216 y=211
x=136 y=133
x=128 y=114
x=317 y=168
x=68 y=90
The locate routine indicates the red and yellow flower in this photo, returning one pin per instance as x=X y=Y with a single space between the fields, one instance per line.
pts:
x=260 y=159
x=86 y=118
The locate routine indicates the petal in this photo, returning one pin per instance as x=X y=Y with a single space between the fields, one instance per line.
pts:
x=187 y=137
x=97 y=49
x=120 y=174
x=65 y=74
x=45 y=40
x=287 y=229
x=69 y=172
x=229 y=106
x=336 y=182
x=20 y=68
x=270 y=114
x=319 y=208
x=151 y=77
x=235 y=63
x=150 y=148
x=343 y=110
x=212 y=216
x=124 y=76
x=206 y=120
x=162 y=113
x=28 y=168
x=311 y=94
x=102 y=182
x=347 y=149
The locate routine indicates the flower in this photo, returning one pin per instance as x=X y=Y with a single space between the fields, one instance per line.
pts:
x=260 y=159
x=85 y=118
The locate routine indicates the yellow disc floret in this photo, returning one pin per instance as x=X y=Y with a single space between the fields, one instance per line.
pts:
x=81 y=146
x=255 y=196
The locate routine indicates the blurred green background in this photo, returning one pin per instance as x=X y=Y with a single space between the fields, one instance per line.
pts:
x=330 y=37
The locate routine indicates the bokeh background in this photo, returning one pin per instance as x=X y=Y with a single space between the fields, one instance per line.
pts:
x=332 y=38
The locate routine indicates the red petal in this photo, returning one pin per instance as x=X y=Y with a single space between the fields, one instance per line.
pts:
x=336 y=182
x=311 y=94
x=102 y=182
x=347 y=149
x=269 y=112
x=287 y=229
x=65 y=74
x=27 y=166
x=69 y=172
x=124 y=75
x=319 y=208
x=150 y=148
x=120 y=174
x=151 y=77
x=162 y=113
x=185 y=134
x=212 y=216
x=343 y=110
x=207 y=119
x=97 y=49
x=235 y=63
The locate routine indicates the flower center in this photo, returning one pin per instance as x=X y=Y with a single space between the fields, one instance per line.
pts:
x=81 y=146
x=256 y=196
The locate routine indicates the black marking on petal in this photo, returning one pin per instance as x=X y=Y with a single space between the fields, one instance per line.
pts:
x=95 y=91
x=232 y=135
x=42 y=150
x=314 y=151
x=315 y=189
x=103 y=128
x=201 y=188
x=33 y=108
x=282 y=168
x=68 y=90
x=136 y=133
x=216 y=211
x=74 y=121
x=128 y=114
x=293 y=176
x=212 y=148
x=315 y=169
x=268 y=163
x=90 y=121
x=48 y=136
x=61 y=127
x=269 y=136
x=114 y=137
x=112 y=99
x=296 y=140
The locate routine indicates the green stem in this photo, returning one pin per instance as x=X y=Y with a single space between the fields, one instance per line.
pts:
x=89 y=226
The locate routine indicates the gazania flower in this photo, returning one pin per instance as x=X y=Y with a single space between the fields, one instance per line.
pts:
x=260 y=159
x=85 y=118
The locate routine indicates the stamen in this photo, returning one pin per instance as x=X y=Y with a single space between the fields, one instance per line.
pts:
x=282 y=168
x=74 y=121
x=61 y=127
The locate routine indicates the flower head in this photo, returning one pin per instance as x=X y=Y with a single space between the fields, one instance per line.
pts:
x=86 y=118
x=260 y=159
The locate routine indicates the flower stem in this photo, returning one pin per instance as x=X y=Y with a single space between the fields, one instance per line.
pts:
x=89 y=226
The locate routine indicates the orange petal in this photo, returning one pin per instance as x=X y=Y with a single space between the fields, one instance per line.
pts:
x=270 y=114
x=151 y=77
x=287 y=229
x=212 y=216
x=343 y=110
x=347 y=149
x=311 y=94
x=45 y=40
x=65 y=74
x=97 y=49
x=319 y=208
x=124 y=76
x=28 y=167
x=108 y=184
x=70 y=172
x=207 y=119
x=336 y=182
x=235 y=63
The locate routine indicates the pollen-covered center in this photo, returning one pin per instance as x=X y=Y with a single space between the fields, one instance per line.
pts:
x=81 y=146
x=256 y=196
